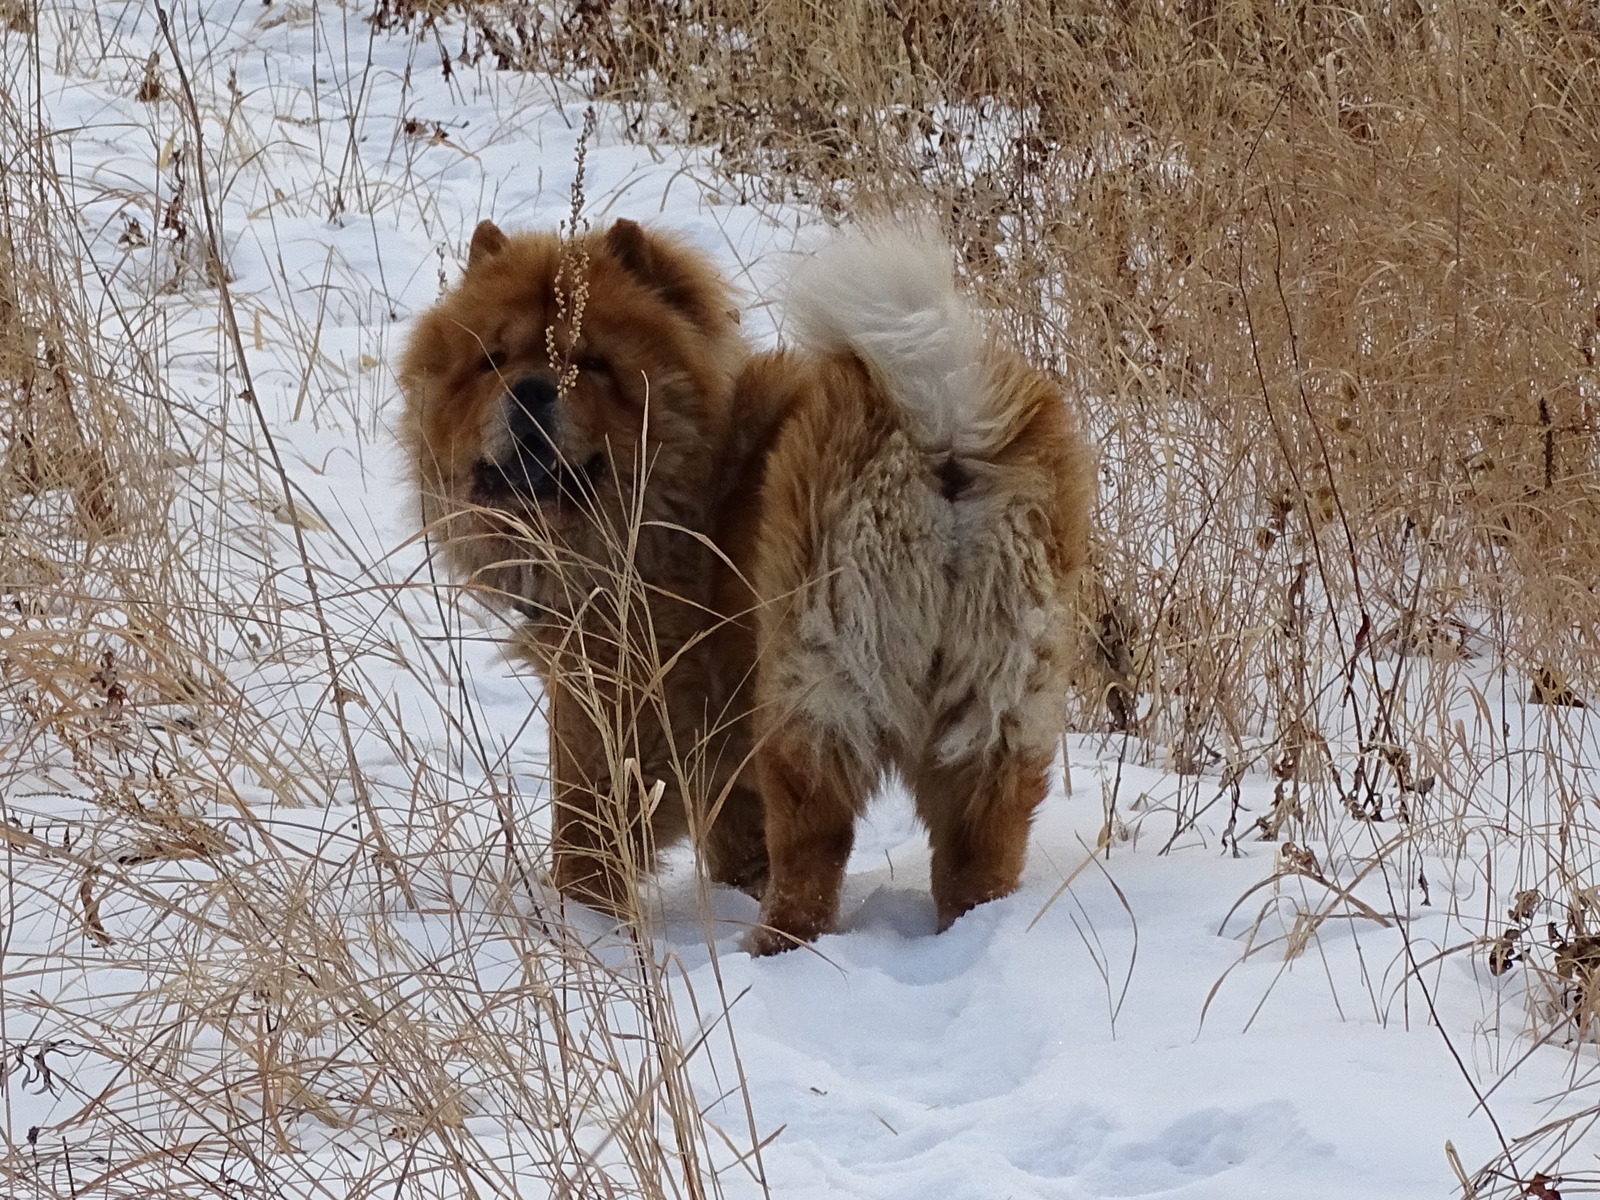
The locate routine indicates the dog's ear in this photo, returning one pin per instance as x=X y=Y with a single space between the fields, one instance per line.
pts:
x=487 y=241
x=677 y=275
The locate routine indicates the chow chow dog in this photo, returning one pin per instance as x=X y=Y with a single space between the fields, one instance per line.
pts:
x=811 y=567
x=568 y=409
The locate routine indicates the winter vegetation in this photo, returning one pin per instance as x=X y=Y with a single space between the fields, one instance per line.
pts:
x=1315 y=909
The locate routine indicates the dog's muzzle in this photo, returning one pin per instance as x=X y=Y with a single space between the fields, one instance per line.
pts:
x=531 y=464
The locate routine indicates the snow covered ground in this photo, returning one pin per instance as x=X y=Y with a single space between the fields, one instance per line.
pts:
x=1118 y=1028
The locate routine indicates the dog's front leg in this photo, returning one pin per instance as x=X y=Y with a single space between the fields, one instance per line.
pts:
x=596 y=839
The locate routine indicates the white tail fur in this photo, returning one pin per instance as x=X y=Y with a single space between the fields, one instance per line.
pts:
x=889 y=296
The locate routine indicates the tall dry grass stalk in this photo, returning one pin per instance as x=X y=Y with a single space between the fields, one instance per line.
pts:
x=1326 y=279
x=272 y=917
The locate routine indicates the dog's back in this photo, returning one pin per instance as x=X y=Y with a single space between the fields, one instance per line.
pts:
x=924 y=516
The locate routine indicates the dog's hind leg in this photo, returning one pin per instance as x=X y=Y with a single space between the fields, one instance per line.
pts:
x=813 y=790
x=978 y=812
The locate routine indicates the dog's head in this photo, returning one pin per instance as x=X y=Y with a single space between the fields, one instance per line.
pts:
x=565 y=388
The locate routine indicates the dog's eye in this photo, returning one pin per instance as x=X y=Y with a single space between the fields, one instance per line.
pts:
x=492 y=361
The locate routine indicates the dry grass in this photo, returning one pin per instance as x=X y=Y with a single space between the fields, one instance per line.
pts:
x=1327 y=275
x=286 y=941
x=1326 y=278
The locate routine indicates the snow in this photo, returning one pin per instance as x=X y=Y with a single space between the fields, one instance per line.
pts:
x=1114 y=1029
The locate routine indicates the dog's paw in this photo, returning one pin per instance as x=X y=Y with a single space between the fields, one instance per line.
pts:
x=749 y=878
x=764 y=940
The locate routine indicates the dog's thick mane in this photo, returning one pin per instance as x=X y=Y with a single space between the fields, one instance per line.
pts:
x=888 y=296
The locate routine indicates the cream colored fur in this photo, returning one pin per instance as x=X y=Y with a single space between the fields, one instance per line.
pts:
x=923 y=521
x=888 y=295
x=909 y=578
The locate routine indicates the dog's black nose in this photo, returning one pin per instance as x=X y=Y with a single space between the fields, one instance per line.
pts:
x=532 y=414
x=531 y=466
x=534 y=466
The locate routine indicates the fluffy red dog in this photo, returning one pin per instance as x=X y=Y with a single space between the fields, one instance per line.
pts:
x=758 y=583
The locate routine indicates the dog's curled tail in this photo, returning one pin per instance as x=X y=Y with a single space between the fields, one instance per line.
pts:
x=888 y=295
